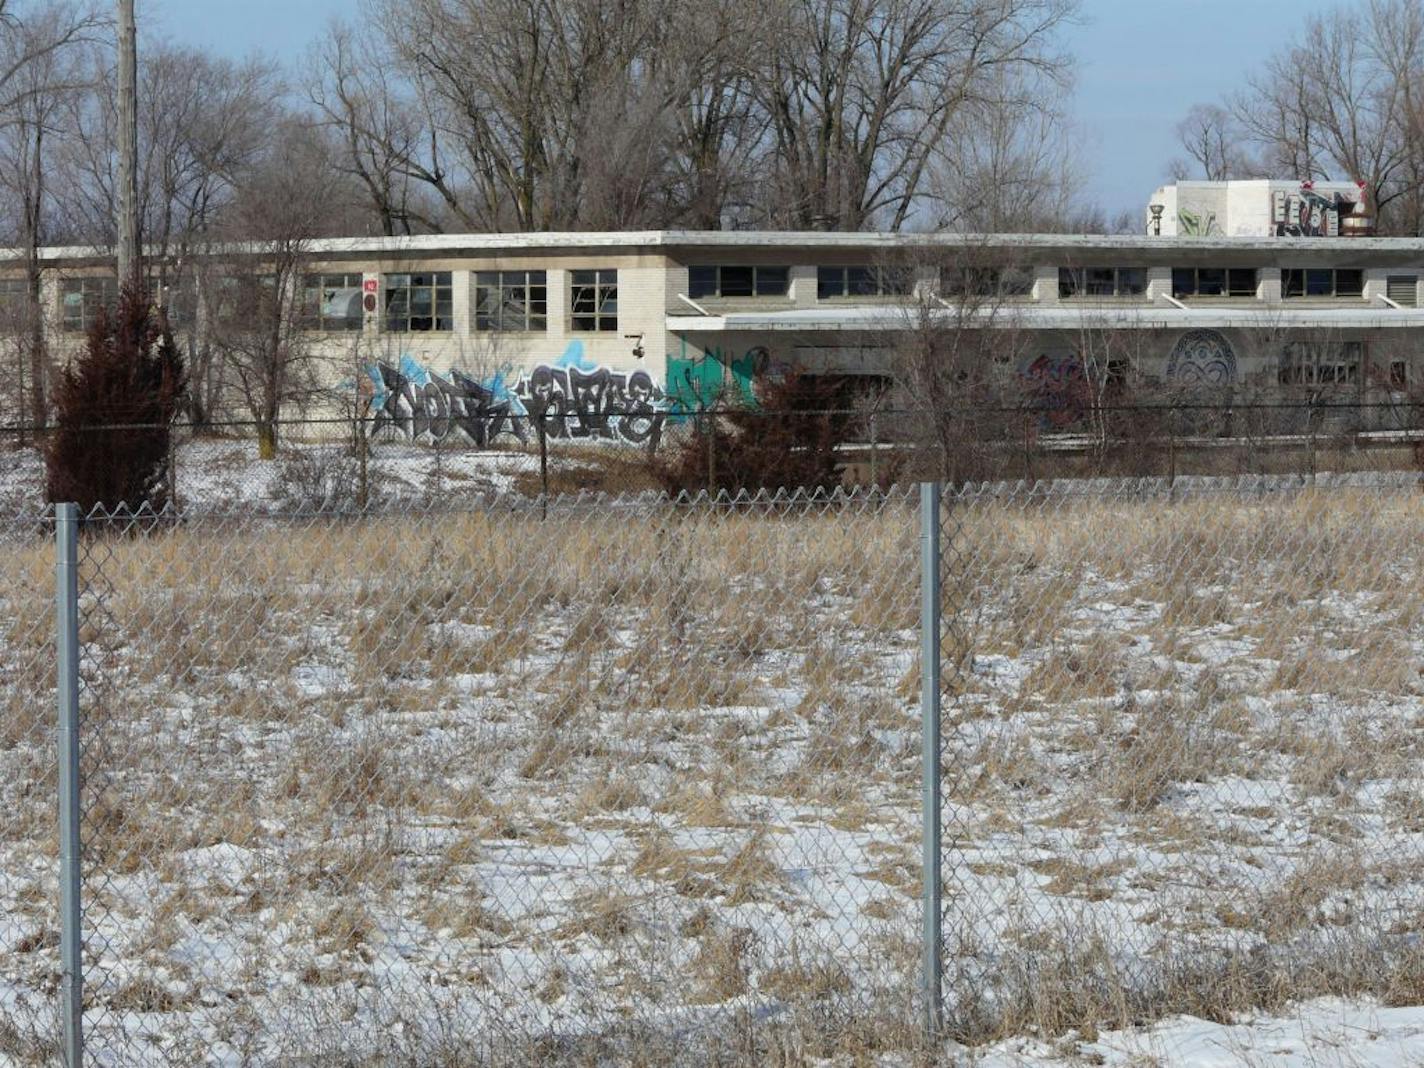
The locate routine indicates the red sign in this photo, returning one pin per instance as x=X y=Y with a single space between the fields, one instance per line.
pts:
x=369 y=285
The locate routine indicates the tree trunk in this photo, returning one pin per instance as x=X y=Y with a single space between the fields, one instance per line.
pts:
x=266 y=439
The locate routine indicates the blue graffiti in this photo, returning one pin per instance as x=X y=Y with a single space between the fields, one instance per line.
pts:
x=571 y=398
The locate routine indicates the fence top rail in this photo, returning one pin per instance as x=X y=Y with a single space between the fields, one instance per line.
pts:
x=1181 y=486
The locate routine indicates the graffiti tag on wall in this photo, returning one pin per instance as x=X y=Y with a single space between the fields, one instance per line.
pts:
x=1056 y=388
x=573 y=398
x=1308 y=214
x=700 y=382
x=1197 y=224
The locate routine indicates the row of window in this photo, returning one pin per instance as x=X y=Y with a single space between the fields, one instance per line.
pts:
x=415 y=302
x=518 y=301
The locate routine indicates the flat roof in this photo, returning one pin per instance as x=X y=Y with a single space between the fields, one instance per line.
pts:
x=691 y=240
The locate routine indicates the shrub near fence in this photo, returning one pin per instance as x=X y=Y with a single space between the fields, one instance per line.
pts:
x=623 y=780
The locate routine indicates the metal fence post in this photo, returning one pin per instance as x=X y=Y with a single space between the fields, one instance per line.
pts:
x=66 y=572
x=931 y=972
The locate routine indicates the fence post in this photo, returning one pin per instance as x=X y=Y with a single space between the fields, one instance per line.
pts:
x=66 y=573
x=932 y=965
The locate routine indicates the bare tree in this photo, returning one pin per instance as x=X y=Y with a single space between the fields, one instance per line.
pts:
x=862 y=95
x=38 y=72
x=1342 y=102
x=1212 y=140
x=254 y=305
x=956 y=356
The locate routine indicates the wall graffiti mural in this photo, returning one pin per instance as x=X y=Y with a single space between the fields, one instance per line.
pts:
x=695 y=383
x=419 y=405
x=575 y=402
x=575 y=398
x=1202 y=358
x=1056 y=388
x=1197 y=223
x=1308 y=213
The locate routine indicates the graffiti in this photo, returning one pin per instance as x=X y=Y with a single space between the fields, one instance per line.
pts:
x=1202 y=358
x=1056 y=388
x=574 y=398
x=1308 y=213
x=1197 y=224
x=420 y=405
x=599 y=403
x=695 y=383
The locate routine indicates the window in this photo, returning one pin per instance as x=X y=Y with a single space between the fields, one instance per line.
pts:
x=594 y=300
x=1398 y=375
x=419 y=303
x=241 y=301
x=1102 y=281
x=986 y=281
x=863 y=282
x=1305 y=363
x=332 y=302
x=81 y=298
x=1213 y=282
x=512 y=300
x=1322 y=282
x=14 y=293
x=738 y=281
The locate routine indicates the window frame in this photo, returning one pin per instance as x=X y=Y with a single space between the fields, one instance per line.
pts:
x=314 y=318
x=107 y=296
x=499 y=284
x=1231 y=289
x=602 y=321
x=873 y=281
x=1304 y=363
x=1302 y=277
x=1076 y=283
x=438 y=281
x=987 y=281
x=764 y=282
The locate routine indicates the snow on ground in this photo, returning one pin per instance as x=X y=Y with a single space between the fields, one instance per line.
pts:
x=1322 y=1033
x=493 y=775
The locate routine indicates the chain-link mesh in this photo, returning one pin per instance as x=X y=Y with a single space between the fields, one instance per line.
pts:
x=603 y=778
x=1182 y=748
x=29 y=913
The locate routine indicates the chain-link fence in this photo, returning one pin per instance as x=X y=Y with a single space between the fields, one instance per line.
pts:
x=507 y=785
x=1185 y=766
x=625 y=780
x=332 y=463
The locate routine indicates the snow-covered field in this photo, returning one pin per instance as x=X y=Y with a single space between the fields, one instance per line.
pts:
x=628 y=779
x=226 y=473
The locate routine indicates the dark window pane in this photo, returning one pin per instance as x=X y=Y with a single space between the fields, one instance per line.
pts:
x=1100 y=282
x=1349 y=283
x=1184 y=282
x=1131 y=281
x=737 y=282
x=1016 y=281
x=702 y=282
x=1070 y=281
x=772 y=281
x=862 y=282
x=1293 y=282
x=1319 y=283
x=1241 y=282
x=830 y=282
x=1211 y=282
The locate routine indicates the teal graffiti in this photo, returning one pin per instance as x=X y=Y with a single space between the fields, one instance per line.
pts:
x=698 y=381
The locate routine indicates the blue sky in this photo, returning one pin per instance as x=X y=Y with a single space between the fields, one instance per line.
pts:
x=1142 y=64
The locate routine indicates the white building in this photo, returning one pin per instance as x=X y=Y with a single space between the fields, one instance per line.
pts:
x=462 y=333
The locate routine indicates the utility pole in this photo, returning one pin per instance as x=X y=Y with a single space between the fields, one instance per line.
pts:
x=129 y=269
